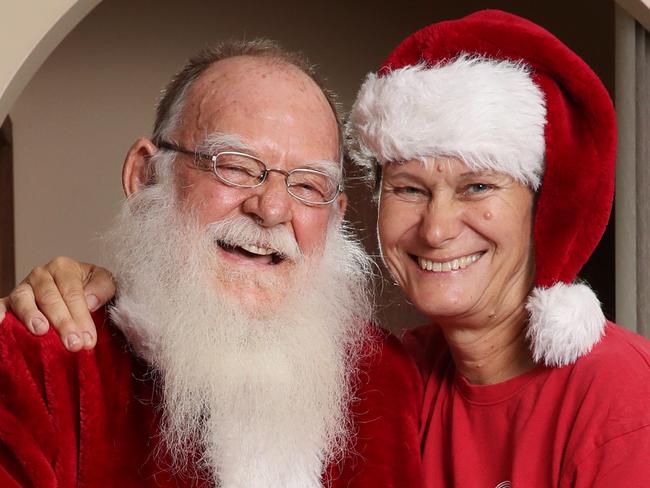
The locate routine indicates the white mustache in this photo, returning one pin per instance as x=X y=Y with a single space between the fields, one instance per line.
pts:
x=240 y=231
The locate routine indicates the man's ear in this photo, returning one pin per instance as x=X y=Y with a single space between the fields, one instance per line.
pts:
x=136 y=171
x=341 y=205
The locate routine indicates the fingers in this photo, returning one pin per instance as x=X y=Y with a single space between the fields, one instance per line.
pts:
x=84 y=288
x=62 y=293
x=59 y=293
x=54 y=293
x=100 y=287
x=22 y=302
x=39 y=292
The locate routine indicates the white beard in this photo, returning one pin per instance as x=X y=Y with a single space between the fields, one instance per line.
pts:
x=260 y=393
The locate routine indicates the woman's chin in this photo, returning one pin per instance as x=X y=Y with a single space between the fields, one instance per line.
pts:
x=440 y=307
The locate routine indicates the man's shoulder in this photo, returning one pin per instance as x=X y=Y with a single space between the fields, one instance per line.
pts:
x=422 y=339
x=56 y=406
x=19 y=345
x=387 y=371
x=40 y=371
x=385 y=413
x=428 y=348
x=383 y=350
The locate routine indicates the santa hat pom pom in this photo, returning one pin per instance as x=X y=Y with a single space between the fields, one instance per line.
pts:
x=566 y=321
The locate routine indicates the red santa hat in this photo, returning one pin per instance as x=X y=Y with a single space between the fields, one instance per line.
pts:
x=502 y=93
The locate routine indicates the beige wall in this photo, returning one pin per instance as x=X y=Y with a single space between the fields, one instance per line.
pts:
x=94 y=95
x=29 y=31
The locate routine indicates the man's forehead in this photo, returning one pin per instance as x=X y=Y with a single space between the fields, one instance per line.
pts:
x=248 y=76
x=259 y=98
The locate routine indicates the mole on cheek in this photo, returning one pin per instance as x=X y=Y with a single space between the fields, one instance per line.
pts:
x=440 y=168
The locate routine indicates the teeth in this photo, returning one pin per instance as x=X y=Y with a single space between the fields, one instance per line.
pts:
x=454 y=264
x=262 y=251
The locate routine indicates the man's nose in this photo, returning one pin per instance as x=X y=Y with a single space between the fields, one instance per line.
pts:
x=270 y=203
x=441 y=222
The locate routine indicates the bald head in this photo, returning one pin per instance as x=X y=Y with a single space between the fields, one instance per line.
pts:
x=263 y=101
x=170 y=108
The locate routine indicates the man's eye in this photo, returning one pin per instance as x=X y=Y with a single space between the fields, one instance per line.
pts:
x=235 y=169
x=304 y=189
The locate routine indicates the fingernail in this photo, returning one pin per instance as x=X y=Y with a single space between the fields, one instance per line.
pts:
x=88 y=339
x=72 y=341
x=93 y=302
x=39 y=326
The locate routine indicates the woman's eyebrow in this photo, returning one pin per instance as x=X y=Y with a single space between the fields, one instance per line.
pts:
x=482 y=172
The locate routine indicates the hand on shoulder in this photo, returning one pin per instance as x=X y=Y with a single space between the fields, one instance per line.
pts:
x=62 y=293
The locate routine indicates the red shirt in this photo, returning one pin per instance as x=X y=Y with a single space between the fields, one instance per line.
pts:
x=90 y=419
x=583 y=425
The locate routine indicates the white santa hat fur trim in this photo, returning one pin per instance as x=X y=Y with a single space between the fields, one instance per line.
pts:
x=488 y=113
x=565 y=323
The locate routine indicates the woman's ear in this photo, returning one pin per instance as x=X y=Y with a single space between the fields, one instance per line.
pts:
x=135 y=172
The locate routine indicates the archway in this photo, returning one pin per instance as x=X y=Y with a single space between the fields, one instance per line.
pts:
x=30 y=33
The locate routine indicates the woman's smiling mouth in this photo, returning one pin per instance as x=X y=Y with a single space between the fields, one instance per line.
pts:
x=450 y=265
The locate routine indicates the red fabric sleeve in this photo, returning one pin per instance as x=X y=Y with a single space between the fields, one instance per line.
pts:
x=35 y=378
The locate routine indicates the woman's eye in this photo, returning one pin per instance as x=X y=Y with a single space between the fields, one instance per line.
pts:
x=408 y=190
x=477 y=188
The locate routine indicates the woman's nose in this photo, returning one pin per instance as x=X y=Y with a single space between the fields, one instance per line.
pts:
x=441 y=222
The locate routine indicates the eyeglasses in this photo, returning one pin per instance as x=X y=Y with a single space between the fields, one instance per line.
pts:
x=241 y=170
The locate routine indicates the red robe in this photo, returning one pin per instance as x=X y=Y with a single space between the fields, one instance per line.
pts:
x=90 y=418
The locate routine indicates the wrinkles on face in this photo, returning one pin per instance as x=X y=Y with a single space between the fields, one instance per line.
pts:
x=284 y=119
x=441 y=215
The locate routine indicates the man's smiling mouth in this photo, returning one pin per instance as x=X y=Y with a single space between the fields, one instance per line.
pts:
x=254 y=253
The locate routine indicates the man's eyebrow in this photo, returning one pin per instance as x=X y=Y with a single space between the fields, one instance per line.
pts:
x=222 y=141
x=333 y=169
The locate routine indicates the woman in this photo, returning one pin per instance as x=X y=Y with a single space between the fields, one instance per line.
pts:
x=493 y=147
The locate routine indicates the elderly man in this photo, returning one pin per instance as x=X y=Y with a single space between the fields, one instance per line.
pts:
x=238 y=352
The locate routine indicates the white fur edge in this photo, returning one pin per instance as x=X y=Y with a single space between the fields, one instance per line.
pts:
x=488 y=113
x=566 y=321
